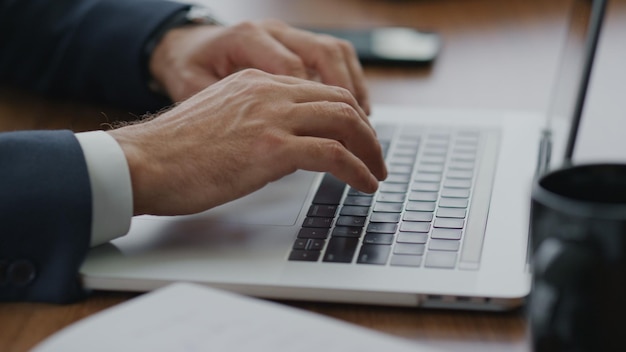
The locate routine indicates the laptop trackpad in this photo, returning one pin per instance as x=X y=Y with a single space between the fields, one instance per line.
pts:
x=278 y=203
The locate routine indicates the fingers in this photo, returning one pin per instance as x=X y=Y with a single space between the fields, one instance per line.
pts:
x=324 y=112
x=335 y=60
x=302 y=91
x=243 y=132
x=341 y=122
x=257 y=48
x=327 y=155
x=277 y=48
x=315 y=92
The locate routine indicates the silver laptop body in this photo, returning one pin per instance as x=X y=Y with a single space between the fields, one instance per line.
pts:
x=447 y=229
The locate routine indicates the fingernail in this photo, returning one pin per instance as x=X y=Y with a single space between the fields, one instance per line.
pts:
x=373 y=183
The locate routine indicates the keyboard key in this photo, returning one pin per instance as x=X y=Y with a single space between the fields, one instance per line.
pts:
x=436 y=150
x=346 y=231
x=460 y=174
x=373 y=254
x=444 y=245
x=441 y=135
x=398 y=178
x=380 y=227
x=408 y=142
x=393 y=187
x=409 y=226
x=461 y=165
x=323 y=211
x=455 y=193
x=465 y=148
x=406 y=260
x=409 y=249
x=425 y=186
x=378 y=238
x=301 y=255
x=412 y=237
x=433 y=159
x=354 y=210
x=388 y=207
x=354 y=221
x=446 y=234
x=385 y=217
x=418 y=216
x=309 y=244
x=359 y=200
x=455 y=213
x=311 y=232
x=354 y=192
x=454 y=183
x=390 y=197
x=449 y=223
x=420 y=206
x=341 y=249
x=405 y=152
x=463 y=157
x=401 y=160
x=400 y=169
x=441 y=260
x=430 y=168
x=453 y=203
x=467 y=142
x=330 y=190
x=315 y=244
x=317 y=222
x=423 y=196
x=431 y=177
x=300 y=243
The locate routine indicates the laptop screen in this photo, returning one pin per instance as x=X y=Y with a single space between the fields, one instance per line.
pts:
x=575 y=66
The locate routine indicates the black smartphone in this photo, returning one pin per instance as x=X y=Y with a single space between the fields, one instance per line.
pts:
x=389 y=45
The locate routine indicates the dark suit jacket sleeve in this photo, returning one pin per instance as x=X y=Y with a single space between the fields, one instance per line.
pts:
x=82 y=49
x=45 y=216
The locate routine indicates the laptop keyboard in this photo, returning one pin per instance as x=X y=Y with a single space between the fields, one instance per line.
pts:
x=431 y=211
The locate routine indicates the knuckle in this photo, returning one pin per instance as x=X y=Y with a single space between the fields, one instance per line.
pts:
x=345 y=96
x=250 y=73
x=245 y=27
x=333 y=150
x=274 y=24
x=258 y=82
x=331 y=49
x=346 y=113
x=293 y=64
x=270 y=140
x=345 y=45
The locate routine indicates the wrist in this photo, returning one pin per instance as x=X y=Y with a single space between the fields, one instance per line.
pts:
x=193 y=15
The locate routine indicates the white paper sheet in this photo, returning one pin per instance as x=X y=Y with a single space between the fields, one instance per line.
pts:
x=186 y=317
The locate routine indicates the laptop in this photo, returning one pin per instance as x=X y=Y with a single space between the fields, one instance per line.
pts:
x=447 y=229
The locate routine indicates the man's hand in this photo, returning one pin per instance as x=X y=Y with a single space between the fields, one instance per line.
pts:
x=243 y=132
x=188 y=59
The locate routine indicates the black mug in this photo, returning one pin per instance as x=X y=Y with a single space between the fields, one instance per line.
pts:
x=578 y=235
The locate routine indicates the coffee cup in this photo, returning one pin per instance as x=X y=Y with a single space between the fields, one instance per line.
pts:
x=578 y=243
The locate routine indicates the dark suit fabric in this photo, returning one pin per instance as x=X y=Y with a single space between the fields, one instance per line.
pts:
x=45 y=214
x=76 y=49
x=82 y=49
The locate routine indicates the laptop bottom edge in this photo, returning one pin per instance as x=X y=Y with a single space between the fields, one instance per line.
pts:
x=397 y=299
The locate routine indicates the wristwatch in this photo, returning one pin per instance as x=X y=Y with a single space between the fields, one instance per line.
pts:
x=193 y=15
x=200 y=15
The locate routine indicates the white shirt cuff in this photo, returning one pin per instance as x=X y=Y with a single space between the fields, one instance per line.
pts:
x=111 y=188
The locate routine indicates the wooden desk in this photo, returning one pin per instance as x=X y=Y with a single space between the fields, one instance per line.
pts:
x=496 y=54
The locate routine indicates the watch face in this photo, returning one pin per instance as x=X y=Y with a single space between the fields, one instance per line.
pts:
x=200 y=15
